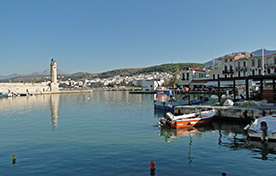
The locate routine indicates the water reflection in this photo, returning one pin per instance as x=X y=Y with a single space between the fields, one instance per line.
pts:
x=230 y=135
x=170 y=133
x=54 y=100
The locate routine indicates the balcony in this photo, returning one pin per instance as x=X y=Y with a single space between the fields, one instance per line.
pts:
x=241 y=68
x=270 y=65
x=227 y=71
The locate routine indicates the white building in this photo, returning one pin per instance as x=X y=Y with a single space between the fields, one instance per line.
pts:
x=151 y=85
x=189 y=74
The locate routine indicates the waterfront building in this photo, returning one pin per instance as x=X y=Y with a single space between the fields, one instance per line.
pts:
x=151 y=85
x=26 y=88
x=234 y=65
x=187 y=76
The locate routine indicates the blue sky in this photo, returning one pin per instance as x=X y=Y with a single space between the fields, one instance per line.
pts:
x=100 y=35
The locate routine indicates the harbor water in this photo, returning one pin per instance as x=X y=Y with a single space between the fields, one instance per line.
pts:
x=116 y=133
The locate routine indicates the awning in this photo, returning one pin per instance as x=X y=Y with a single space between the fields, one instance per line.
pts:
x=226 y=83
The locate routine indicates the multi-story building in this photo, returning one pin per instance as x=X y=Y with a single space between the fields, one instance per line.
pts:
x=189 y=74
x=234 y=65
x=269 y=65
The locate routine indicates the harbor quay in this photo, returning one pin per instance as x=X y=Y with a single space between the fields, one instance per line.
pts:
x=237 y=113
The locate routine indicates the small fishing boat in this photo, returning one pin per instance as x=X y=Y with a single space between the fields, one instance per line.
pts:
x=263 y=128
x=166 y=101
x=187 y=120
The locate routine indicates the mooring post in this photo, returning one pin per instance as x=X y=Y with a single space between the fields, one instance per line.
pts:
x=13 y=159
x=219 y=97
x=274 y=90
x=152 y=168
x=234 y=88
x=246 y=89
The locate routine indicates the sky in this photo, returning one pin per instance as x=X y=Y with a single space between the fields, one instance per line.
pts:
x=101 y=35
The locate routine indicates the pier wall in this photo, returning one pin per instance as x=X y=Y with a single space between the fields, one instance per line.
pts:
x=24 y=87
x=245 y=114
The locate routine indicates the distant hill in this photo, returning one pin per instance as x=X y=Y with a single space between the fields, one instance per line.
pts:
x=43 y=73
x=266 y=52
x=42 y=76
x=209 y=63
x=169 y=67
x=47 y=72
x=10 y=76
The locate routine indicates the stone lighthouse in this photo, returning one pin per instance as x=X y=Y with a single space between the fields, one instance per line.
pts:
x=53 y=72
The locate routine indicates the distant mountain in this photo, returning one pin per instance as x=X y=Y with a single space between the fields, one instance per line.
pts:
x=209 y=63
x=266 y=52
x=43 y=73
x=47 y=72
x=10 y=76
x=42 y=76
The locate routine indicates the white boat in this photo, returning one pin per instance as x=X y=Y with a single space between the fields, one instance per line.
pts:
x=263 y=128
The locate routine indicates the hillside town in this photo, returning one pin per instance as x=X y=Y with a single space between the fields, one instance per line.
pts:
x=235 y=65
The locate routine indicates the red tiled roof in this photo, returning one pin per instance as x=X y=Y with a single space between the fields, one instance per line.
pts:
x=241 y=58
x=226 y=57
x=271 y=54
x=194 y=69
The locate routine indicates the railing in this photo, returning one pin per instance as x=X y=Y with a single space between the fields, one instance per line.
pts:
x=270 y=65
x=227 y=71
x=241 y=68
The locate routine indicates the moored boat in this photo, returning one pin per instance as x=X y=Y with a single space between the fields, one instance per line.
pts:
x=187 y=120
x=166 y=101
x=263 y=128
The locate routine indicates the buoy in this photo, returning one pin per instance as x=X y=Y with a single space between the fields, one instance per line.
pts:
x=13 y=158
x=223 y=173
x=152 y=168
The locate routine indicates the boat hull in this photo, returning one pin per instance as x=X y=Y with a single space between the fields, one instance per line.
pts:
x=190 y=122
x=259 y=135
x=264 y=132
x=187 y=120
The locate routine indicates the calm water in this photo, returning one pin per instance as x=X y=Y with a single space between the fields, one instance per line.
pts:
x=116 y=133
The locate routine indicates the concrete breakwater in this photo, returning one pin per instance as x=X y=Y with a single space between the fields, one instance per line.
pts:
x=244 y=114
x=67 y=92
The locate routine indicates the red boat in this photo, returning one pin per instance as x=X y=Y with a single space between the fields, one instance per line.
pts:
x=187 y=120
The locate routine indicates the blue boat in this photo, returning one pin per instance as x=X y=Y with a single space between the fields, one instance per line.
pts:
x=166 y=101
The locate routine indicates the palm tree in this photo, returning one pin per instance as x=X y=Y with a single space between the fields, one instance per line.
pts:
x=175 y=78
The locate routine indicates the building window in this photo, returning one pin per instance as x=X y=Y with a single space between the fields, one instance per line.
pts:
x=239 y=64
x=239 y=74
x=244 y=63
x=260 y=72
x=231 y=68
x=183 y=76
x=274 y=70
x=259 y=62
x=225 y=60
x=244 y=73
x=225 y=68
x=225 y=75
x=253 y=62
x=231 y=60
x=253 y=72
x=274 y=60
x=214 y=76
x=187 y=76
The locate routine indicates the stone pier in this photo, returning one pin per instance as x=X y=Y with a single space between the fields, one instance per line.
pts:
x=245 y=114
